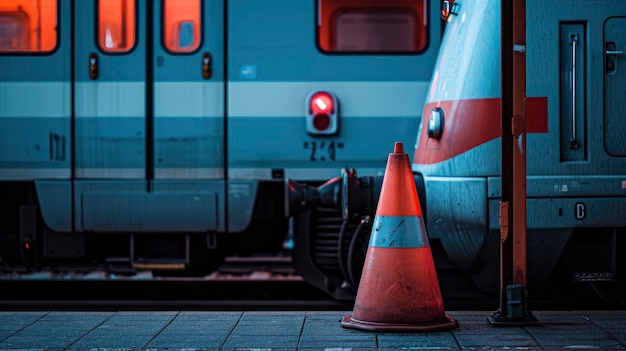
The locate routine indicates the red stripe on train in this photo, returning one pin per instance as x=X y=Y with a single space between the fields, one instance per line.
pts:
x=470 y=123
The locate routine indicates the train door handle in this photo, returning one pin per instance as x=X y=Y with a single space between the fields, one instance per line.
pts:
x=206 y=65
x=611 y=56
x=93 y=65
x=573 y=144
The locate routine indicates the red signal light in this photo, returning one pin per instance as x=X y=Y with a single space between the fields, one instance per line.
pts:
x=321 y=113
x=322 y=103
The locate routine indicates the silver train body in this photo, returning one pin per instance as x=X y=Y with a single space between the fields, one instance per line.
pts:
x=575 y=151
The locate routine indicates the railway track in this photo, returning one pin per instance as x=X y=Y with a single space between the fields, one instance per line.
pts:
x=254 y=268
x=257 y=282
x=250 y=283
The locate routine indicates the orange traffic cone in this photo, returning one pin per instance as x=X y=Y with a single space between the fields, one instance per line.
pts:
x=399 y=290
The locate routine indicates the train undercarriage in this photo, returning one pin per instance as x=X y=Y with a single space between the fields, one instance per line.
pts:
x=330 y=238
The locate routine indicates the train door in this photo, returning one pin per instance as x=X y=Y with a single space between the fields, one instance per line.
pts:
x=110 y=91
x=149 y=120
x=614 y=86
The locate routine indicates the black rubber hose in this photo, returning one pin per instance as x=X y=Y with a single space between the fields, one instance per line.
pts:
x=342 y=234
x=355 y=238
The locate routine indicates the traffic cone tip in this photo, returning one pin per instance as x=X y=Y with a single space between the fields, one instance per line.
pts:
x=398 y=148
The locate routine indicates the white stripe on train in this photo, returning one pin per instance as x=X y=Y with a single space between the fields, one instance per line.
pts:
x=203 y=99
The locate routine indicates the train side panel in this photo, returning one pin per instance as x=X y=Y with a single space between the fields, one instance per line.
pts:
x=575 y=162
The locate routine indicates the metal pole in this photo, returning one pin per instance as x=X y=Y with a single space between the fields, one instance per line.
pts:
x=513 y=309
x=519 y=142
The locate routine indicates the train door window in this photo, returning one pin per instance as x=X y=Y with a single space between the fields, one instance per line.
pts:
x=28 y=26
x=383 y=26
x=181 y=27
x=116 y=25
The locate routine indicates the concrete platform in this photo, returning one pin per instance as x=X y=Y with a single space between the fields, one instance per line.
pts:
x=276 y=330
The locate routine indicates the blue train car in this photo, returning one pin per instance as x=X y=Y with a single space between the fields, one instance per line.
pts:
x=160 y=134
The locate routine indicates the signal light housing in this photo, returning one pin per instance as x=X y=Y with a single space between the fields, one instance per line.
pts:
x=321 y=110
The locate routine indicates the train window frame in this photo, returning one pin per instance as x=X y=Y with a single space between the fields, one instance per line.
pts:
x=340 y=7
x=97 y=24
x=200 y=30
x=55 y=26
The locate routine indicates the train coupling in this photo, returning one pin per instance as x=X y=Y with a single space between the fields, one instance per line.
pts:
x=347 y=192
